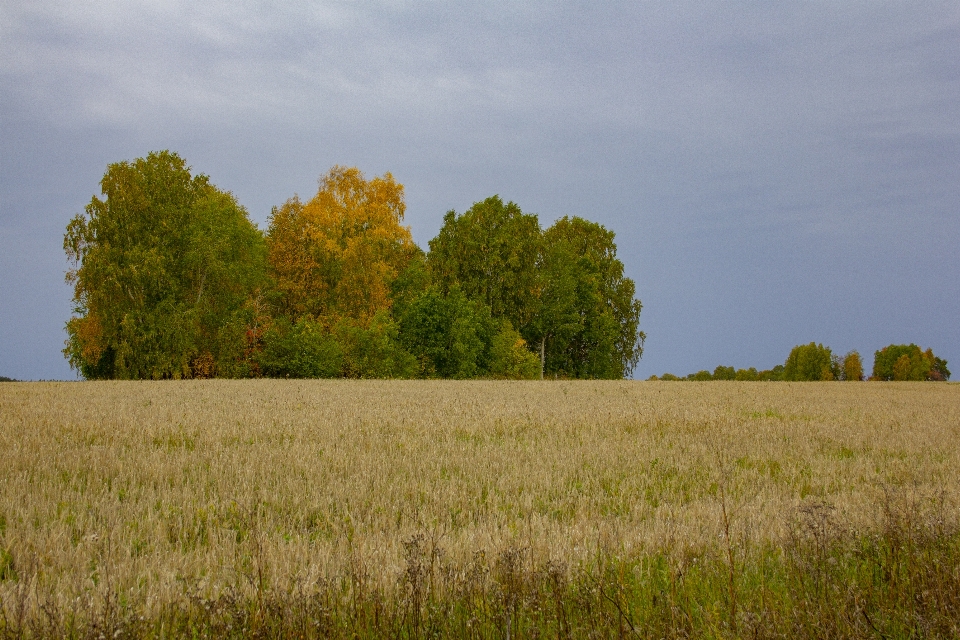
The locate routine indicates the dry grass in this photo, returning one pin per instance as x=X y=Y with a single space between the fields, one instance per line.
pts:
x=121 y=500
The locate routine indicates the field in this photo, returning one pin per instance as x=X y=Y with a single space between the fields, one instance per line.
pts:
x=483 y=509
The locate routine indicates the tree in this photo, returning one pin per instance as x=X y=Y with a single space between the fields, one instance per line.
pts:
x=908 y=362
x=938 y=372
x=450 y=335
x=724 y=373
x=562 y=289
x=410 y=284
x=164 y=265
x=337 y=255
x=587 y=318
x=667 y=377
x=491 y=252
x=810 y=362
x=852 y=366
x=771 y=375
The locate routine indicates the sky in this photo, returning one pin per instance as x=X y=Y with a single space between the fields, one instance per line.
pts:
x=776 y=173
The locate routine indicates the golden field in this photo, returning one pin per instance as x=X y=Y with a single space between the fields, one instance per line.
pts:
x=133 y=494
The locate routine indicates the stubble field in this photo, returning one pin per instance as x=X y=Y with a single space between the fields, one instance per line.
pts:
x=485 y=509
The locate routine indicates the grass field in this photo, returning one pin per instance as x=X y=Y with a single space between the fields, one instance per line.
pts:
x=483 y=509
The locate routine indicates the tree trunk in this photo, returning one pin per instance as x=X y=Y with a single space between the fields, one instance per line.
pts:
x=543 y=354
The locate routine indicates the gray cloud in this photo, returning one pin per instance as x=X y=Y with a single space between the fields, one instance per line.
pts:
x=776 y=173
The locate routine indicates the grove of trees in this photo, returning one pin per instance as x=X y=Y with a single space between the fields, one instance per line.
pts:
x=815 y=362
x=908 y=362
x=173 y=280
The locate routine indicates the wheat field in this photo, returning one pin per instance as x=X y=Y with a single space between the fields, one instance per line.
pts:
x=132 y=497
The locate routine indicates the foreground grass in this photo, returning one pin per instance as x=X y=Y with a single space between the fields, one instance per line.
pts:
x=411 y=509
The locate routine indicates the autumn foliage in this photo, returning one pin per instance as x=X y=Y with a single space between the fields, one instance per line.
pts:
x=336 y=255
x=166 y=266
x=908 y=362
x=172 y=280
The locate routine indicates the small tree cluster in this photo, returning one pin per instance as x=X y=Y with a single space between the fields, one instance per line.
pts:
x=908 y=362
x=173 y=280
x=815 y=362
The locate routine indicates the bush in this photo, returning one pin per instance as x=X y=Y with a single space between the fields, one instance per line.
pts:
x=374 y=351
x=509 y=357
x=303 y=350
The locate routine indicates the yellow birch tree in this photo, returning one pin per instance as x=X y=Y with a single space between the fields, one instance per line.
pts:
x=335 y=256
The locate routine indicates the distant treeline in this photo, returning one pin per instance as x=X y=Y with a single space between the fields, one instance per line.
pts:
x=808 y=362
x=173 y=280
x=6 y=379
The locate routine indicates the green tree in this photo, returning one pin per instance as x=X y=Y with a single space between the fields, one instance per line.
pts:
x=411 y=283
x=908 y=362
x=667 y=377
x=810 y=362
x=373 y=349
x=587 y=320
x=724 y=373
x=449 y=334
x=164 y=266
x=771 y=375
x=563 y=289
x=491 y=252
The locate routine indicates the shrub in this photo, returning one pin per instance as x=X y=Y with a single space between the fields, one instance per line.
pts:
x=510 y=358
x=302 y=350
x=373 y=351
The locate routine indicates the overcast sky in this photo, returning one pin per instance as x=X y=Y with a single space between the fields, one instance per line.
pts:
x=776 y=172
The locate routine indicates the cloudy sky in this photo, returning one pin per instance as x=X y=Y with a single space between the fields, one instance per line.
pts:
x=775 y=172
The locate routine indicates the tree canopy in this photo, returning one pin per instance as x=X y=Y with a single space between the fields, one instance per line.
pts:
x=908 y=362
x=815 y=362
x=491 y=253
x=172 y=280
x=588 y=320
x=808 y=362
x=337 y=255
x=165 y=265
x=562 y=288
